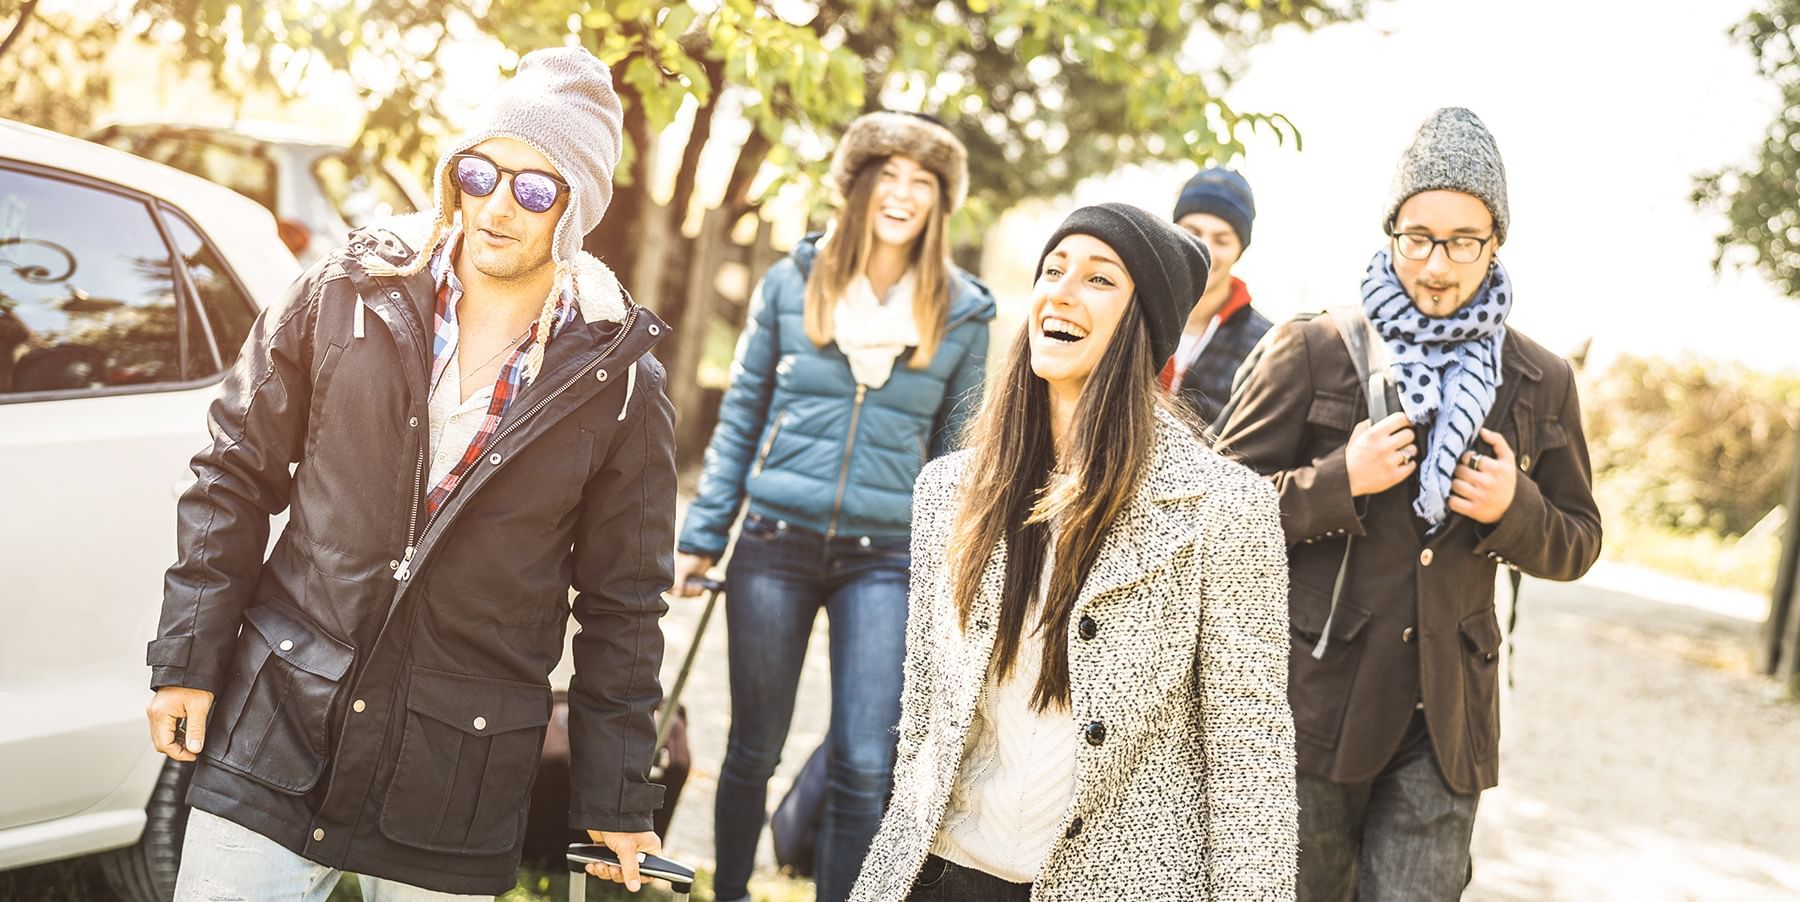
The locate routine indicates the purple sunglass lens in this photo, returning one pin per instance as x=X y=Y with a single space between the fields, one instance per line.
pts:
x=476 y=177
x=534 y=192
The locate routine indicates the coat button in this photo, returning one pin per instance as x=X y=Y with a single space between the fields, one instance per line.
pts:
x=600 y=375
x=1524 y=461
x=494 y=458
x=393 y=295
x=413 y=422
x=480 y=723
x=393 y=565
x=1096 y=733
x=318 y=834
x=864 y=541
x=358 y=706
x=655 y=330
x=1087 y=628
x=1074 y=829
x=1406 y=635
x=287 y=645
x=1425 y=557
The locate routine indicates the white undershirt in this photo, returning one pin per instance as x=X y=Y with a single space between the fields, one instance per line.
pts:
x=453 y=421
x=1018 y=773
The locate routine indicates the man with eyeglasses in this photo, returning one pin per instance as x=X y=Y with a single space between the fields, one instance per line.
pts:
x=1395 y=528
x=461 y=416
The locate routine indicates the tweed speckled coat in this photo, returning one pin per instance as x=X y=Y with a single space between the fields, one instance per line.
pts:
x=1185 y=769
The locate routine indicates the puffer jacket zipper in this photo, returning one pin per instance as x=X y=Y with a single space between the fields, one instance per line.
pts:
x=837 y=504
x=763 y=456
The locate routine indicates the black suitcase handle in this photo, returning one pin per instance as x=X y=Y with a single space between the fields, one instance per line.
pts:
x=679 y=877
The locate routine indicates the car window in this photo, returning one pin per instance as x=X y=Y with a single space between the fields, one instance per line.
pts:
x=87 y=294
x=240 y=170
x=359 y=190
x=228 y=308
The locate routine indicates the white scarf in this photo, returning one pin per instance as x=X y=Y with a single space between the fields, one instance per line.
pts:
x=872 y=333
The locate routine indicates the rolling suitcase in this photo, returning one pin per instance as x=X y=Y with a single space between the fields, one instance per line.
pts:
x=680 y=878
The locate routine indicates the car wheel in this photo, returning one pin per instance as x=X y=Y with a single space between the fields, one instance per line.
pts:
x=145 y=872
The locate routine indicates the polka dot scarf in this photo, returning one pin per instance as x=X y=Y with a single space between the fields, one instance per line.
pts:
x=1446 y=369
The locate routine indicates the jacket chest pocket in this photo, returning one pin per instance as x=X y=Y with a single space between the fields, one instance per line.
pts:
x=1532 y=435
x=466 y=763
x=272 y=723
x=1329 y=421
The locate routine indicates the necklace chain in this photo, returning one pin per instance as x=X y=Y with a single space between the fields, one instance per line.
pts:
x=503 y=349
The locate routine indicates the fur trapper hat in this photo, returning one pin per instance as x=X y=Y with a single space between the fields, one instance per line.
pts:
x=879 y=135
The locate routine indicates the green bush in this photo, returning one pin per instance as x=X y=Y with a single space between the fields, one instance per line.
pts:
x=1691 y=446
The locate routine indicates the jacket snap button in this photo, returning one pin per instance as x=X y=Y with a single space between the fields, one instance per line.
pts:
x=1406 y=635
x=480 y=723
x=1074 y=829
x=1524 y=461
x=393 y=565
x=1425 y=557
x=413 y=422
x=864 y=541
x=600 y=375
x=287 y=645
x=318 y=834
x=1096 y=733
x=655 y=330
x=1088 y=628
x=494 y=458
x=358 y=706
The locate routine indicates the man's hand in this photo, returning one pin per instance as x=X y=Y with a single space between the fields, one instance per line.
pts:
x=627 y=845
x=176 y=708
x=1482 y=487
x=1381 y=456
x=689 y=568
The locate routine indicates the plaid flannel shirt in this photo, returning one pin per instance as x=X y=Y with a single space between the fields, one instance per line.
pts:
x=507 y=384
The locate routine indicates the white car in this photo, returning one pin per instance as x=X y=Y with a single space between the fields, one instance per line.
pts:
x=318 y=190
x=126 y=288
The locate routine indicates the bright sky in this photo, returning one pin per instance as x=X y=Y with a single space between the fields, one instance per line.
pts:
x=1603 y=110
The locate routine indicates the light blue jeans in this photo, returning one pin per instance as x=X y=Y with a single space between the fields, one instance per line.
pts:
x=223 y=861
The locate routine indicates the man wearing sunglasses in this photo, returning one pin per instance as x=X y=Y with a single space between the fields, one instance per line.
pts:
x=461 y=416
x=1395 y=528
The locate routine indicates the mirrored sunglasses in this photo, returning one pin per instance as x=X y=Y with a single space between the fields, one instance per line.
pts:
x=478 y=176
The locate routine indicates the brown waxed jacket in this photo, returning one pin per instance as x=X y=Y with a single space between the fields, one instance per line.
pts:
x=1416 y=621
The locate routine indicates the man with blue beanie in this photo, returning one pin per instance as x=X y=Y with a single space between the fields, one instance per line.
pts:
x=1216 y=207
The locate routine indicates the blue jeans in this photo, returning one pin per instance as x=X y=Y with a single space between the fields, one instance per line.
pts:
x=221 y=861
x=778 y=579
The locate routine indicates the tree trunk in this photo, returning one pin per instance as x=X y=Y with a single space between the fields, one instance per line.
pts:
x=1781 y=649
x=18 y=28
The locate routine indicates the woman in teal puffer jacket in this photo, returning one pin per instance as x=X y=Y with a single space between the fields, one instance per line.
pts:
x=863 y=353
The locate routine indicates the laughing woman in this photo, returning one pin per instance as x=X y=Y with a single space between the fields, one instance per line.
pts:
x=1095 y=701
x=864 y=353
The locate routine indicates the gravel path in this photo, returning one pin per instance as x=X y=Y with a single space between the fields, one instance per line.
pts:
x=1642 y=760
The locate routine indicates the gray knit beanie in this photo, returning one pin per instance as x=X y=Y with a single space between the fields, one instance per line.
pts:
x=561 y=102
x=1453 y=151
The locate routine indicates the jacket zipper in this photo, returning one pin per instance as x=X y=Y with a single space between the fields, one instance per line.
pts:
x=770 y=443
x=405 y=570
x=837 y=505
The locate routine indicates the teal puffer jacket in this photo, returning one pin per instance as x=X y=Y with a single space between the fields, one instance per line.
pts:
x=810 y=446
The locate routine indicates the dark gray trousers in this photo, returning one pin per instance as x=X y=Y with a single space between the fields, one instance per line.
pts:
x=1402 y=836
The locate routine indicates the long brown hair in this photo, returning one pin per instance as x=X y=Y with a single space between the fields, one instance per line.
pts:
x=1014 y=490
x=846 y=255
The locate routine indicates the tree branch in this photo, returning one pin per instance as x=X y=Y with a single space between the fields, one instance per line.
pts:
x=25 y=11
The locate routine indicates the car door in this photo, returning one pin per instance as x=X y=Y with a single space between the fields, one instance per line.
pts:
x=116 y=318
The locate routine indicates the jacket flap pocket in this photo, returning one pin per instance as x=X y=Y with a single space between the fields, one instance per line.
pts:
x=294 y=640
x=1551 y=435
x=479 y=706
x=1482 y=632
x=1311 y=607
x=1332 y=411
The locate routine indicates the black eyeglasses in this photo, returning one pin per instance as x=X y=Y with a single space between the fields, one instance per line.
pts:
x=1461 y=249
x=478 y=176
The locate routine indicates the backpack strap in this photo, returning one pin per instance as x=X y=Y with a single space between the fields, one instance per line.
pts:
x=1369 y=355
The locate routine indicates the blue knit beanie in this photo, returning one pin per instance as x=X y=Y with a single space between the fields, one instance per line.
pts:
x=1223 y=193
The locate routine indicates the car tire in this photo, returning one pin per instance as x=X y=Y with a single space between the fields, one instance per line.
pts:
x=145 y=871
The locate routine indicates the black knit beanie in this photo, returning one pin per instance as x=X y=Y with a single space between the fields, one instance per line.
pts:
x=1168 y=265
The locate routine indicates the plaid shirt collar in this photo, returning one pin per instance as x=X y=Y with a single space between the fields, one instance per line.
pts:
x=507 y=384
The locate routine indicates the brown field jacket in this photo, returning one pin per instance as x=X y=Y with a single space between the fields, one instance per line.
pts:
x=1416 y=622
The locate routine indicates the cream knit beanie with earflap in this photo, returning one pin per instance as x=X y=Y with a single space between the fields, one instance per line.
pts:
x=561 y=102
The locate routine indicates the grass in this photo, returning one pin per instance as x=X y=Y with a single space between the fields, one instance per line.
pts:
x=1700 y=556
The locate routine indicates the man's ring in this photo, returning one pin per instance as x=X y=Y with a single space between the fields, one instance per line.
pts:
x=1475 y=462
